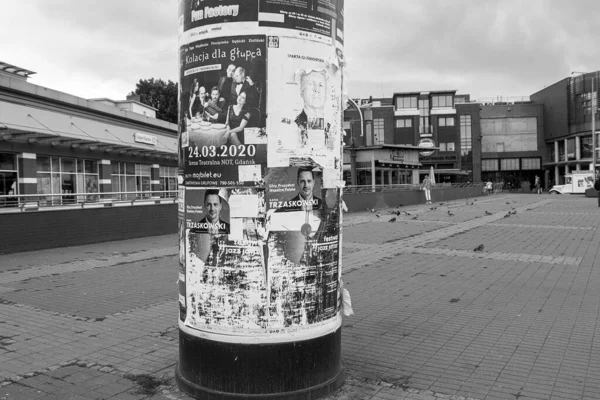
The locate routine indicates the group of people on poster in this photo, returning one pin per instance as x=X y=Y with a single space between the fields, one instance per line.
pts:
x=233 y=100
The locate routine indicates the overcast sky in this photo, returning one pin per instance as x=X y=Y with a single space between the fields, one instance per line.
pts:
x=487 y=48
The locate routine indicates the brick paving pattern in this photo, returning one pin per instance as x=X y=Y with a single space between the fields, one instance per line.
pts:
x=433 y=318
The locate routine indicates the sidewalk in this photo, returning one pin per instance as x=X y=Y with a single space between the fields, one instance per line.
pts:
x=433 y=318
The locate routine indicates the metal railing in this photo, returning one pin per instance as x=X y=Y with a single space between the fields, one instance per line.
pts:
x=408 y=186
x=27 y=202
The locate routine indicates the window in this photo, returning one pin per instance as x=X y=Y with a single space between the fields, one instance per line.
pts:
x=425 y=126
x=378 y=130
x=132 y=178
x=586 y=148
x=9 y=184
x=424 y=107
x=66 y=176
x=450 y=146
x=404 y=123
x=490 y=164
x=465 y=133
x=168 y=181
x=406 y=102
x=531 y=163
x=442 y=146
x=561 y=150
x=445 y=121
x=441 y=100
x=509 y=164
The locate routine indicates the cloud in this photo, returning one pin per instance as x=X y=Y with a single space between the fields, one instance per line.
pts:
x=485 y=48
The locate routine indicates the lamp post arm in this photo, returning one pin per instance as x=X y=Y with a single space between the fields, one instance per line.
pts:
x=362 y=121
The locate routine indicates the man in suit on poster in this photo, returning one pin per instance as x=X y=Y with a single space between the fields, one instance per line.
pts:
x=305 y=200
x=243 y=83
x=212 y=222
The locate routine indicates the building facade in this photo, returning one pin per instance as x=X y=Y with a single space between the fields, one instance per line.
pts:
x=570 y=109
x=62 y=149
x=512 y=143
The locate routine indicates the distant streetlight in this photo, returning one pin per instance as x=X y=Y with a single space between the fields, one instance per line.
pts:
x=593 y=122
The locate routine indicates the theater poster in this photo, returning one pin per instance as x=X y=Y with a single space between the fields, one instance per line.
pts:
x=223 y=110
x=304 y=105
x=316 y=19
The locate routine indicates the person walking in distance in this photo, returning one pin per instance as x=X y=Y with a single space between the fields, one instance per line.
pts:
x=427 y=189
x=538 y=185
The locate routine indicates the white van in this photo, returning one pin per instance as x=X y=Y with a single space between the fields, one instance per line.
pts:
x=576 y=182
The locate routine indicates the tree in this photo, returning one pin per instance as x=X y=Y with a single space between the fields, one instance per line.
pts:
x=160 y=95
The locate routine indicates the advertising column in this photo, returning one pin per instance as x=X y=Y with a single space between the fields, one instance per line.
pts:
x=260 y=174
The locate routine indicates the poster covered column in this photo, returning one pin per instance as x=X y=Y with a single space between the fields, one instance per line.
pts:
x=260 y=174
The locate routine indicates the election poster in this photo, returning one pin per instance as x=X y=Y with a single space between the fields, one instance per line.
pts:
x=305 y=106
x=223 y=109
x=303 y=247
x=317 y=19
x=226 y=274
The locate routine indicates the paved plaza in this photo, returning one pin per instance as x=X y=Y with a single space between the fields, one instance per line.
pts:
x=433 y=317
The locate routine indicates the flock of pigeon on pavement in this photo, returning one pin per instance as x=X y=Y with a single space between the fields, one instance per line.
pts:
x=398 y=212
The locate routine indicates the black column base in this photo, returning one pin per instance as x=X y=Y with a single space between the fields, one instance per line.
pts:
x=308 y=369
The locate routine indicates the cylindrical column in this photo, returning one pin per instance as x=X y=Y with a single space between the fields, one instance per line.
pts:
x=27 y=173
x=104 y=179
x=155 y=181
x=261 y=111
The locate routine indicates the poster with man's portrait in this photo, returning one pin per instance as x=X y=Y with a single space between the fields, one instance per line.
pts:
x=305 y=107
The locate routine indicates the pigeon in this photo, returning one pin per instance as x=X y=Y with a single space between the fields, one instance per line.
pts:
x=508 y=202
x=506 y=216
x=415 y=217
x=441 y=204
x=478 y=248
x=406 y=213
x=393 y=219
x=513 y=212
x=372 y=210
x=378 y=215
x=488 y=213
x=433 y=208
x=450 y=213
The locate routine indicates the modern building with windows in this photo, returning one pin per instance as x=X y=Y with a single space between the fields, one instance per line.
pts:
x=64 y=149
x=373 y=154
x=569 y=107
x=433 y=120
x=512 y=144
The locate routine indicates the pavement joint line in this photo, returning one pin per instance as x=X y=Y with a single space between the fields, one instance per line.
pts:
x=77 y=266
x=521 y=257
x=528 y=226
x=434 y=236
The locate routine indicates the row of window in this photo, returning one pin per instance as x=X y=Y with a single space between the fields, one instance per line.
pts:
x=424 y=122
x=568 y=153
x=511 y=164
x=443 y=100
x=446 y=146
x=65 y=176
